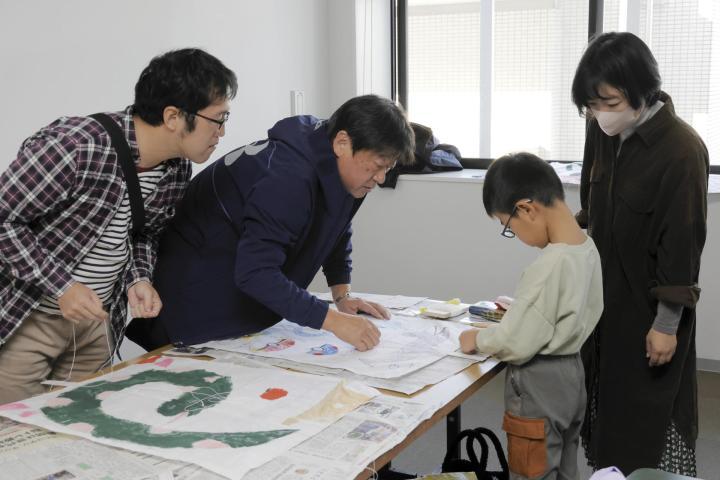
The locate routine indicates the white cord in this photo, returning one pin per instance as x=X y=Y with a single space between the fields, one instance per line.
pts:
x=373 y=471
x=111 y=351
x=202 y=398
x=72 y=365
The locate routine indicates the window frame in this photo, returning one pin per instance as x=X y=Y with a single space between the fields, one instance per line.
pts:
x=399 y=69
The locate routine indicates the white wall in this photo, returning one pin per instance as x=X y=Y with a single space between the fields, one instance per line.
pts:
x=78 y=57
x=358 y=49
x=432 y=237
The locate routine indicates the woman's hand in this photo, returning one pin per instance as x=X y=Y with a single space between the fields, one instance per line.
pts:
x=660 y=347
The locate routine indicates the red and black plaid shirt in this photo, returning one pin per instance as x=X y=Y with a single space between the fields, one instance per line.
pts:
x=56 y=198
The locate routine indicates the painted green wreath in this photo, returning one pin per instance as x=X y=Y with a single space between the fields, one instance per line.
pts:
x=210 y=389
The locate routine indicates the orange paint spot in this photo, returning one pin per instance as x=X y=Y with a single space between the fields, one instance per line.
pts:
x=273 y=393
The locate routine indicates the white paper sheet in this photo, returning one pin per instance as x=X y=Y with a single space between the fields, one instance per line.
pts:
x=395 y=302
x=408 y=384
x=406 y=345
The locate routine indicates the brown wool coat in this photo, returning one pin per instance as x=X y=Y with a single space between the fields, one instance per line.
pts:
x=646 y=211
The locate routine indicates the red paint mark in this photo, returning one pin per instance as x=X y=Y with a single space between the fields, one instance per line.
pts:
x=273 y=393
x=150 y=359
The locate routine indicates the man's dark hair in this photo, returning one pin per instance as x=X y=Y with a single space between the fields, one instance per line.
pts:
x=518 y=176
x=189 y=79
x=621 y=60
x=376 y=124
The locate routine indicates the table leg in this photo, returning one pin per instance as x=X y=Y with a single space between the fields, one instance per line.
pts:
x=387 y=473
x=453 y=430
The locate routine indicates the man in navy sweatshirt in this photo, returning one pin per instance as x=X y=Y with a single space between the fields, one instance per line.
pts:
x=255 y=227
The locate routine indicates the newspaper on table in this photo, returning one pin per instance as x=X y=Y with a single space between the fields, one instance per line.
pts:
x=351 y=444
x=393 y=302
x=406 y=345
x=408 y=384
x=33 y=453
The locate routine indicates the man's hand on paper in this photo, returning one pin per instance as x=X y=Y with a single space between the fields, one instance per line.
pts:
x=81 y=303
x=360 y=332
x=467 y=341
x=356 y=306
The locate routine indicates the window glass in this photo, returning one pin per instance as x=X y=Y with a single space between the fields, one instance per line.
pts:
x=494 y=76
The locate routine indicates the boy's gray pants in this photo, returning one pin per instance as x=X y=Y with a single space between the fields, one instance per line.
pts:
x=544 y=411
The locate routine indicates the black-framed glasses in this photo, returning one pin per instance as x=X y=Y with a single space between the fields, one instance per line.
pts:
x=219 y=123
x=507 y=231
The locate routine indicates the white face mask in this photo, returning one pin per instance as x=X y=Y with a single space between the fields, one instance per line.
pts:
x=613 y=123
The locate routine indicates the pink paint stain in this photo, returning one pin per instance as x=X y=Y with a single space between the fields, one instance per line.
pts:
x=278 y=346
x=165 y=362
x=13 y=406
x=209 y=444
x=160 y=430
x=183 y=369
x=58 y=402
x=28 y=413
x=179 y=416
x=81 y=427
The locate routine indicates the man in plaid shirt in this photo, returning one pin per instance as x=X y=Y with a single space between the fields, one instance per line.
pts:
x=68 y=264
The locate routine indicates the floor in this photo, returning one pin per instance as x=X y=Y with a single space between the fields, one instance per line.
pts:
x=485 y=408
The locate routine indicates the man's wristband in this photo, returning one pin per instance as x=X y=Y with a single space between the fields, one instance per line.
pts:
x=340 y=297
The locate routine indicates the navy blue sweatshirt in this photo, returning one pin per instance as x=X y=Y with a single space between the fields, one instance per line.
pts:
x=251 y=233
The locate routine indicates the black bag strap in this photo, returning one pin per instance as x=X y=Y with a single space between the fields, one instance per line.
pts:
x=480 y=466
x=122 y=150
x=451 y=464
x=498 y=451
x=470 y=436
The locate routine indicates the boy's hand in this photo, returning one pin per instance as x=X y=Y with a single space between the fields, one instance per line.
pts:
x=660 y=347
x=467 y=341
x=81 y=303
x=360 y=332
x=356 y=306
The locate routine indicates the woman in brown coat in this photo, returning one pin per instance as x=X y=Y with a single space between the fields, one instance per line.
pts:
x=644 y=201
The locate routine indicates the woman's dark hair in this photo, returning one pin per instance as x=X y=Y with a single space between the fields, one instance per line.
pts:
x=621 y=60
x=518 y=176
x=376 y=124
x=189 y=79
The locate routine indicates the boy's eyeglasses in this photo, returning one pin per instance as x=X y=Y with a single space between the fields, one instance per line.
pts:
x=506 y=231
x=219 y=123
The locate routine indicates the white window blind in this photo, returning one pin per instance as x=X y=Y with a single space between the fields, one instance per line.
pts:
x=494 y=76
x=684 y=36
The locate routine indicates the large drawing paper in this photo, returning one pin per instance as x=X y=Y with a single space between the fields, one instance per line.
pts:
x=226 y=418
x=406 y=345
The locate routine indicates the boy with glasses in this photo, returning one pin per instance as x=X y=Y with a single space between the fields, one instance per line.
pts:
x=557 y=304
x=69 y=264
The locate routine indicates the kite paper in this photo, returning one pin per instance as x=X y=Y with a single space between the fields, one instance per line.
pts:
x=406 y=345
x=226 y=418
